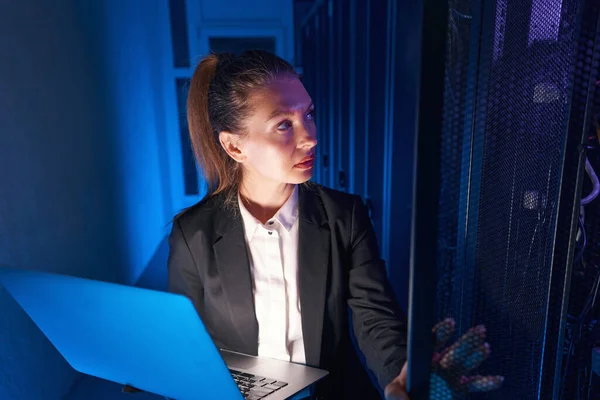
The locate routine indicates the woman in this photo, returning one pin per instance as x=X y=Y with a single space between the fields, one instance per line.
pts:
x=271 y=261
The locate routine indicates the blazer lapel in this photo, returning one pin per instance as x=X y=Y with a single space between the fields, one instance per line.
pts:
x=234 y=271
x=313 y=266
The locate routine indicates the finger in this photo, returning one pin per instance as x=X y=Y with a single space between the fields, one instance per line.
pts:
x=443 y=331
x=478 y=356
x=395 y=391
x=403 y=377
x=482 y=383
x=130 y=389
x=455 y=355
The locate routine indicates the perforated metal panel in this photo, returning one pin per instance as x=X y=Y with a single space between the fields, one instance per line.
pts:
x=581 y=330
x=510 y=79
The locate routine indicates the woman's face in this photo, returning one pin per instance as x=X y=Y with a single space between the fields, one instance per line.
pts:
x=280 y=135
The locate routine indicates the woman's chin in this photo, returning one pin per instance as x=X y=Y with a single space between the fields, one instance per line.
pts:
x=303 y=176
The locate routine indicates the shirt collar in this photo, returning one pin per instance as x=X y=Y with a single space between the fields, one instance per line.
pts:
x=287 y=215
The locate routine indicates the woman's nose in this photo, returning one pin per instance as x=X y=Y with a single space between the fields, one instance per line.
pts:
x=308 y=138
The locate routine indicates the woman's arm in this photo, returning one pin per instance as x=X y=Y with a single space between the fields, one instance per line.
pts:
x=379 y=324
x=183 y=274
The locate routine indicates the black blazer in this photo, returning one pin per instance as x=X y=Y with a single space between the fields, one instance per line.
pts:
x=339 y=270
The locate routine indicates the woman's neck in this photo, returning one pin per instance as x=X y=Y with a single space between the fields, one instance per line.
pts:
x=265 y=199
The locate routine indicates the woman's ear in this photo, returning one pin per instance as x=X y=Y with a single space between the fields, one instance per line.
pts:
x=231 y=144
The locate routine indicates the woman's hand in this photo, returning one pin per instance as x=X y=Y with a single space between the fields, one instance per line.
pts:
x=396 y=389
x=451 y=364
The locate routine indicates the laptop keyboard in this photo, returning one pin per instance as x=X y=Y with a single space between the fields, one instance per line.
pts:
x=255 y=387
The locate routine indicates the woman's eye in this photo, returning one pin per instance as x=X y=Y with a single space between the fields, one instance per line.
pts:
x=284 y=126
x=311 y=115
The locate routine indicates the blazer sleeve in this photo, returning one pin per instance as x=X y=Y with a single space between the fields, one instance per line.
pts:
x=183 y=274
x=379 y=323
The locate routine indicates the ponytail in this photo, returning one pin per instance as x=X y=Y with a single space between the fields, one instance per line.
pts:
x=216 y=165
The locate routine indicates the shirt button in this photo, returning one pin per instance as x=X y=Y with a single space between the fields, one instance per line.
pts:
x=270 y=232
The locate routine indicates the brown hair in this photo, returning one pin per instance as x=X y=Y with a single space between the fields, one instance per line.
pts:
x=218 y=100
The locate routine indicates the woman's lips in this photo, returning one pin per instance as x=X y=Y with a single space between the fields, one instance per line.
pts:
x=306 y=163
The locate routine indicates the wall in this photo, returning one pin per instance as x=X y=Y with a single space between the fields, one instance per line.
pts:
x=83 y=170
x=132 y=43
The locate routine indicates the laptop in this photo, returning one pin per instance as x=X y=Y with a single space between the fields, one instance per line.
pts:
x=149 y=340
